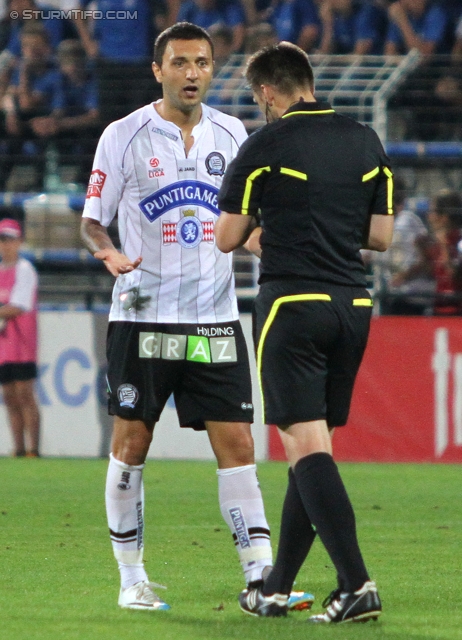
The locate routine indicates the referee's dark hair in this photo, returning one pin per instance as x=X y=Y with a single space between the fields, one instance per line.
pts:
x=283 y=65
x=179 y=31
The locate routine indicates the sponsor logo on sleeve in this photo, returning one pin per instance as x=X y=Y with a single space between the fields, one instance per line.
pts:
x=96 y=183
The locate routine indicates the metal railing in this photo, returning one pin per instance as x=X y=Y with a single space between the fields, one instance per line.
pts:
x=359 y=86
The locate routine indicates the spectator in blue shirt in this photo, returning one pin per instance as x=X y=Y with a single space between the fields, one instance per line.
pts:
x=33 y=80
x=127 y=36
x=206 y=13
x=75 y=100
x=257 y=11
x=121 y=38
x=24 y=8
x=350 y=27
x=29 y=95
x=417 y=24
x=72 y=125
x=296 y=21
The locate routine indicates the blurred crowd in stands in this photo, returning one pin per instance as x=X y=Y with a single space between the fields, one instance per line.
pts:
x=421 y=273
x=69 y=67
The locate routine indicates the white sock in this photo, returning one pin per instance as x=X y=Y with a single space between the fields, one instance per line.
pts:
x=241 y=505
x=125 y=516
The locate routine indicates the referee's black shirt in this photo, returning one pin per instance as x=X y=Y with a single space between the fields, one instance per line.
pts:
x=316 y=177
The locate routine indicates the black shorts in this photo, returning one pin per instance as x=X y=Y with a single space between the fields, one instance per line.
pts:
x=205 y=366
x=14 y=371
x=310 y=340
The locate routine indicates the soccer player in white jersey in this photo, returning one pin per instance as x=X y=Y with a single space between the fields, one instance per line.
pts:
x=173 y=324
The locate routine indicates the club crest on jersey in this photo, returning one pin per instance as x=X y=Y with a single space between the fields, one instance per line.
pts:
x=187 y=235
x=189 y=232
x=96 y=183
x=128 y=395
x=215 y=164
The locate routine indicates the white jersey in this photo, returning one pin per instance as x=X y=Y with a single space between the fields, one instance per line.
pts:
x=167 y=208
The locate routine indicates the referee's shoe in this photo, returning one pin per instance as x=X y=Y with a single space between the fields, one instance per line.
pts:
x=253 y=602
x=359 y=606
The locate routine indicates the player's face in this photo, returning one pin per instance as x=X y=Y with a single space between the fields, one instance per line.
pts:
x=185 y=74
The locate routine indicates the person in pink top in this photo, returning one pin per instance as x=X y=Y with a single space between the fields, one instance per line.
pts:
x=18 y=340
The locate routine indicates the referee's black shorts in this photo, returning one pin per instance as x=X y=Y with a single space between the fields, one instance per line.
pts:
x=310 y=340
x=205 y=367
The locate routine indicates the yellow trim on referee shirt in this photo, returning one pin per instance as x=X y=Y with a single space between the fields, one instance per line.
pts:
x=303 y=297
x=371 y=174
x=307 y=113
x=390 y=185
x=293 y=173
x=248 y=188
x=362 y=302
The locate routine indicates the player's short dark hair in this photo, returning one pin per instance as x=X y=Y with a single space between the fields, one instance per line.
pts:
x=283 y=65
x=179 y=31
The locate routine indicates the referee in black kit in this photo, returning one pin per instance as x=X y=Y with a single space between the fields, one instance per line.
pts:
x=323 y=187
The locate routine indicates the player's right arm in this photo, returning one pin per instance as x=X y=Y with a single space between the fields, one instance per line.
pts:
x=103 y=196
x=96 y=238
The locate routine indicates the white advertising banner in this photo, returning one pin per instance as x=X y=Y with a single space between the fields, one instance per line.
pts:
x=71 y=389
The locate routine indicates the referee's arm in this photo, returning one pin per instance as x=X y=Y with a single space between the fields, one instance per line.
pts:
x=380 y=233
x=232 y=231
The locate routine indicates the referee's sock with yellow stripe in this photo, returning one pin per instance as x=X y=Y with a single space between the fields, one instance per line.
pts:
x=125 y=515
x=241 y=505
x=329 y=509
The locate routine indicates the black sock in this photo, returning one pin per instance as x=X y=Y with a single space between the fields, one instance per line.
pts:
x=295 y=541
x=329 y=509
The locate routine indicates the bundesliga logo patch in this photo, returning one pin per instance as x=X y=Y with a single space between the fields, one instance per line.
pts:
x=189 y=232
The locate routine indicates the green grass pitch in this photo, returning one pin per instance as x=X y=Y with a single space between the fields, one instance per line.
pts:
x=59 y=579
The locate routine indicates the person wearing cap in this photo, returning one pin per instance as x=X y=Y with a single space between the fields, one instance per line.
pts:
x=18 y=340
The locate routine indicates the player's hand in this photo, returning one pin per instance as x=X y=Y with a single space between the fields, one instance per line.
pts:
x=117 y=263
